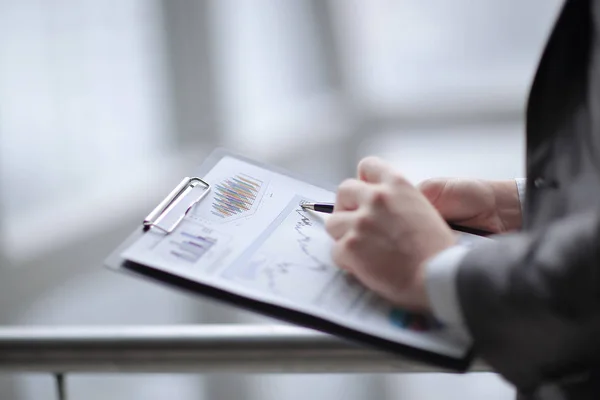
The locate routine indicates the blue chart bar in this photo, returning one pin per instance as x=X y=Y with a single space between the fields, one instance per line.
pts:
x=413 y=321
x=193 y=249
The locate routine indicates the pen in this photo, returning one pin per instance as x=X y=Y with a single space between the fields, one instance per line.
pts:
x=328 y=208
x=320 y=207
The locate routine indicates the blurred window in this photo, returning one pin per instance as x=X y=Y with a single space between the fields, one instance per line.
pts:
x=430 y=53
x=271 y=65
x=95 y=94
x=81 y=102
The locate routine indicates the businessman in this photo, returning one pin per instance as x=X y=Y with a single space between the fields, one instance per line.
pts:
x=530 y=298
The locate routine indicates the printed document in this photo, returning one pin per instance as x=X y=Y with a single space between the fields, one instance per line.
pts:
x=250 y=236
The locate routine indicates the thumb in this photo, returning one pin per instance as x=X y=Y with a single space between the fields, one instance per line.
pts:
x=432 y=189
x=439 y=193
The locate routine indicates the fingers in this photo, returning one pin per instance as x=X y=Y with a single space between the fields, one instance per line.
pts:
x=349 y=195
x=374 y=170
x=341 y=252
x=432 y=189
x=340 y=226
x=448 y=199
x=339 y=223
x=339 y=256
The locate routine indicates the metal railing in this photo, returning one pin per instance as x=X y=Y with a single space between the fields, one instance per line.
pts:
x=199 y=348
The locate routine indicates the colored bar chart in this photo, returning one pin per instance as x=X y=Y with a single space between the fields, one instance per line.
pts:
x=235 y=195
x=413 y=321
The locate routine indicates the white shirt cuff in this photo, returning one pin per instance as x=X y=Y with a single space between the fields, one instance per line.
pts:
x=521 y=184
x=441 y=284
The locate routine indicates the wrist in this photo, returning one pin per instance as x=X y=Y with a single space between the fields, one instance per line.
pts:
x=440 y=273
x=420 y=298
x=508 y=205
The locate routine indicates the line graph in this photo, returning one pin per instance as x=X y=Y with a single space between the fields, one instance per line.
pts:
x=306 y=253
x=304 y=244
x=293 y=252
x=292 y=259
x=235 y=195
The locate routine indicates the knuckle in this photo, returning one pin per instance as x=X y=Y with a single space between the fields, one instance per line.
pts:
x=397 y=178
x=364 y=223
x=428 y=184
x=380 y=197
x=433 y=188
x=430 y=187
x=352 y=243
x=345 y=187
x=346 y=184
x=366 y=161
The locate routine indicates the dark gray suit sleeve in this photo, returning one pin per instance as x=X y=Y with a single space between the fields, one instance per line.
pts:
x=531 y=301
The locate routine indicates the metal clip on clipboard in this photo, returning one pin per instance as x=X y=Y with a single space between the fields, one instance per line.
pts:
x=171 y=211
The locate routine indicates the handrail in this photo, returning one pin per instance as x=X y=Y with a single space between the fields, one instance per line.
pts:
x=199 y=348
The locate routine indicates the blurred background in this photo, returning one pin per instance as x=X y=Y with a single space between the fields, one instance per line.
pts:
x=105 y=105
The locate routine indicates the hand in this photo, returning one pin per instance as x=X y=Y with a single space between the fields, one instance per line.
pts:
x=384 y=231
x=491 y=206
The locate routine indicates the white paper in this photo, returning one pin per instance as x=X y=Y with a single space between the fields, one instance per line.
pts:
x=249 y=236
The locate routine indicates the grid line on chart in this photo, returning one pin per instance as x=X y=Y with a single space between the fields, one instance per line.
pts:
x=235 y=195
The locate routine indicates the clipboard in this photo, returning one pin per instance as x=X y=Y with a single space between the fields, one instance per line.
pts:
x=171 y=211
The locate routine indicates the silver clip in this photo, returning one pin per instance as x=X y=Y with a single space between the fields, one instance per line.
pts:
x=174 y=199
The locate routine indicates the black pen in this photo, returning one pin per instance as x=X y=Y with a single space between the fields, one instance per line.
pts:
x=320 y=207
x=328 y=208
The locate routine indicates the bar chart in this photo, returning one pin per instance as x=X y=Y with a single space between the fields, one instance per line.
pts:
x=236 y=195
x=413 y=321
x=192 y=248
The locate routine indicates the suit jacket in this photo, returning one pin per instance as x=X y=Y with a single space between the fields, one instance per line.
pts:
x=532 y=299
